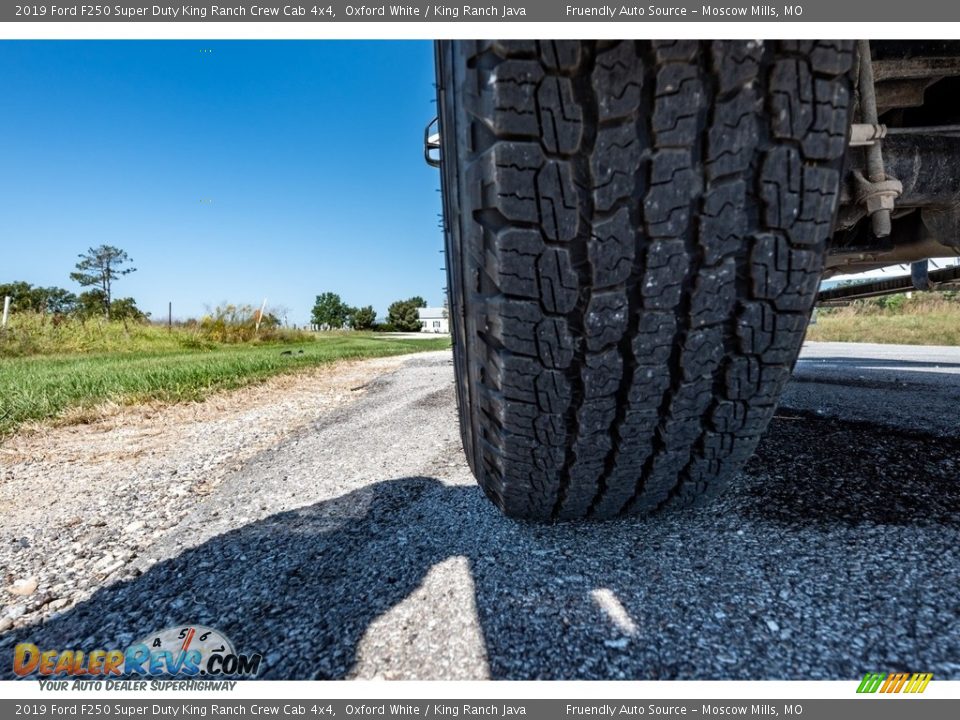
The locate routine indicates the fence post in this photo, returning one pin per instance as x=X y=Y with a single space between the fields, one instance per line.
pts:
x=6 y=311
x=256 y=330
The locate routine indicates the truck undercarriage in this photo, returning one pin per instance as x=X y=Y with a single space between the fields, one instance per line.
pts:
x=900 y=200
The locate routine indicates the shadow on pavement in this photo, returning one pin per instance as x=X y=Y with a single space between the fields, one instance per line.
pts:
x=813 y=565
x=856 y=473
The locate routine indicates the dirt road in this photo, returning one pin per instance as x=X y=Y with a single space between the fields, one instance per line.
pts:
x=349 y=540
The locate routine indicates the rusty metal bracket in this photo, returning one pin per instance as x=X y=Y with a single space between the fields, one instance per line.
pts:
x=876 y=196
x=879 y=191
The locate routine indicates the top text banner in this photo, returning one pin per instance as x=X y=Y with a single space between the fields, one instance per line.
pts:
x=331 y=11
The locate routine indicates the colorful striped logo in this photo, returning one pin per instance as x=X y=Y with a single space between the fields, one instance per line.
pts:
x=894 y=682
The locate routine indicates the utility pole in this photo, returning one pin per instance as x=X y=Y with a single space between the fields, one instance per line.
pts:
x=6 y=311
x=170 y=316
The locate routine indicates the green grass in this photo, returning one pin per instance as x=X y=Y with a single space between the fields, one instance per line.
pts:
x=927 y=329
x=924 y=319
x=37 y=334
x=146 y=368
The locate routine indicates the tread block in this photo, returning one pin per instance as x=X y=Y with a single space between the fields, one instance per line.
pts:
x=601 y=374
x=605 y=321
x=517 y=377
x=560 y=54
x=817 y=204
x=664 y=469
x=714 y=294
x=723 y=222
x=505 y=176
x=674 y=184
x=653 y=343
x=513 y=264
x=749 y=379
x=557 y=201
x=617 y=80
x=680 y=97
x=551 y=431
x=594 y=416
x=791 y=103
x=826 y=138
x=679 y=50
x=782 y=179
x=555 y=344
x=512 y=323
x=832 y=57
x=611 y=249
x=787 y=276
x=559 y=285
x=737 y=63
x=561 y=118
x=509 y=98
x=730 y=140
x=552 y=390
x=667 y=265
x=702 y=351
x=649 y=385
x=614 y=164
x=775 y=337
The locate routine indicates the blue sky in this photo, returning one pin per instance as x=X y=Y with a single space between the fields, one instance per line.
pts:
x=229 y=171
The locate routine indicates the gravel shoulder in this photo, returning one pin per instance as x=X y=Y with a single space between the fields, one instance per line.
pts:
x=350 y=541
x=83 y=503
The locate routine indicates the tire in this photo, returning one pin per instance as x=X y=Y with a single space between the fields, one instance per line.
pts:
x=635 y=235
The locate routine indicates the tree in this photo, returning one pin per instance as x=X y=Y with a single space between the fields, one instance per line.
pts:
x=27 y=298
x=403 y=314
x=363 y=318
x=58 y=301
x=329 y=311
x=100 y=267
x=89 y=304
x=22 y=295
x=126 y=309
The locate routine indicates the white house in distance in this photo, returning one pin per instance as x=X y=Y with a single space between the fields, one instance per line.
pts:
x=434 y=320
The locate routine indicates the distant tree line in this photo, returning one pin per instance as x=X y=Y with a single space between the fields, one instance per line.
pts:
x=98 y=269
x=330 y=312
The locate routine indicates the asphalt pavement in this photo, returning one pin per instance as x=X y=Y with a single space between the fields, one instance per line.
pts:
x=361 y=547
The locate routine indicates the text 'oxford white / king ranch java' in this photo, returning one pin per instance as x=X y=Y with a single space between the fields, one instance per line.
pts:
x=453 y=710
x=452 y=12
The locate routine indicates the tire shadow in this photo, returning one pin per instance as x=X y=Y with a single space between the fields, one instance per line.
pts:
x=831 y=471
x=817 y=563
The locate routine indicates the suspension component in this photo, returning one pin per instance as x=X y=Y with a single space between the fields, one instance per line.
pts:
x=863 y=134
x=876 y=191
